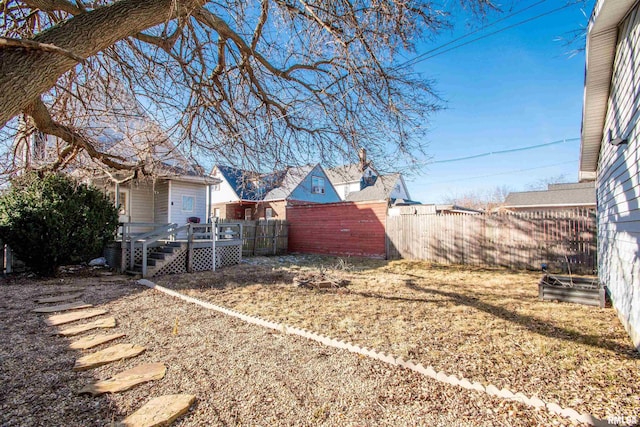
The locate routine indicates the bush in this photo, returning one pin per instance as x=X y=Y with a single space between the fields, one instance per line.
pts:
x=52 y=220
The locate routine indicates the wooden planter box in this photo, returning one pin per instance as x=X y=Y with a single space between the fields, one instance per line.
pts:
x=579 y=290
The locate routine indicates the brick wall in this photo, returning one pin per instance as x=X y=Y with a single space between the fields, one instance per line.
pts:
x=345 y=229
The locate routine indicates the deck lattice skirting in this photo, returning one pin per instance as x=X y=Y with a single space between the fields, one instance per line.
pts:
x=428 y=371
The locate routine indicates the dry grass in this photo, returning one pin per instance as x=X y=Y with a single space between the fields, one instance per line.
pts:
x=484 y=324
x=241 y=374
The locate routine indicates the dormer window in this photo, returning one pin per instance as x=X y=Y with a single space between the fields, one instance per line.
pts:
x=317 y=185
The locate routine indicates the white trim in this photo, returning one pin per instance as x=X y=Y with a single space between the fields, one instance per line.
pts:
x=601 y=47
x=169 y=202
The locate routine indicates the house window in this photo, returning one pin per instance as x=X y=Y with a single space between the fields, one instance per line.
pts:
x=215 y=187
x=317 y=185
x=216 y=212
x=188 y=203
x=122 y=205
x=247 y=214
x=268 y=213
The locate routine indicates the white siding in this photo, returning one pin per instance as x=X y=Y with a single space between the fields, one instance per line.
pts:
x=618 y=186
x=161 y=202
x=225 y=193
x=141 y=201
x=187 y=189
x=344 y=189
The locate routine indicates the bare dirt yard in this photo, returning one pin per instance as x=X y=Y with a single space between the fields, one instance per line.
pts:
x=485 y=325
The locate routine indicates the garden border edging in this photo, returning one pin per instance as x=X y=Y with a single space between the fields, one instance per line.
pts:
x=428 y=371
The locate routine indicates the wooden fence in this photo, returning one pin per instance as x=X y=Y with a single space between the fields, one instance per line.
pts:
x=563 y=240
x=263 y=237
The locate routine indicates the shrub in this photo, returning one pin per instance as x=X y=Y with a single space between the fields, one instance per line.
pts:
x=52 y=220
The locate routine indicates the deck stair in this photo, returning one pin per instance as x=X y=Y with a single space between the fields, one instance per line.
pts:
x=173 y=249
x=162 y=255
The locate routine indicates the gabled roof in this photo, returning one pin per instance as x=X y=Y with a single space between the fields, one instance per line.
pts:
x=247 y=185
x=290 y=180
x=380 y=190
x=252 y=186
x=344 y=174
x=557 y=195
x=602 y=37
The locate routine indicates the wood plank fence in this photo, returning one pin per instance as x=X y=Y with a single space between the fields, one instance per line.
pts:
x=263 y=237
x=563 y=240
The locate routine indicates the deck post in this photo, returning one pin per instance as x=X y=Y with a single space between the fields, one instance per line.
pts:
x=214 y=237
x=190 y=248
x=144 y=259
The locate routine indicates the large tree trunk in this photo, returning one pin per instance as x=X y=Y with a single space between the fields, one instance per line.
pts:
x=26 y=73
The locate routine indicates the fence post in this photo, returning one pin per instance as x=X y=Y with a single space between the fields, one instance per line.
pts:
x=255 y=237
x=190 y=248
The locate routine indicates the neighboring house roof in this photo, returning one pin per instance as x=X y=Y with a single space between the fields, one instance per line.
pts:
x=246 y=184
x=251 y=186
x=602 y=37
x=345 y=174
x=289 y=182
x=380 y=190
x=557 y=195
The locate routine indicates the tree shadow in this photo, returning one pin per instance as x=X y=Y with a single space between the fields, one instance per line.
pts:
x=531 y=323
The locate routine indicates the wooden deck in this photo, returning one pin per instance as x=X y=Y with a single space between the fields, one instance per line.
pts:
x=153 y=249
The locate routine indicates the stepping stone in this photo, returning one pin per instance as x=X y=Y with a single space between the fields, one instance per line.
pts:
x=91 y=341
x=109 y=322
x=59 y=298
x=61 y=319
x=64 y=307
x=160 y=411
x=127 y=379
x=108 y=355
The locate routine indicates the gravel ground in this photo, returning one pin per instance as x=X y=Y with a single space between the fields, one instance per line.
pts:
x=240 y=373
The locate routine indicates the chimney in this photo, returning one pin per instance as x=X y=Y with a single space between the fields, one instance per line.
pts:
x=362 y=155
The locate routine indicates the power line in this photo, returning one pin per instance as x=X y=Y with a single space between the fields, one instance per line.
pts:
x=512 y=150
x=511 y=15
x=502 y=173
x=424 y=58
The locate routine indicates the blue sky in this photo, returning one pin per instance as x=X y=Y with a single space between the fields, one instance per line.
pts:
x=514 y=89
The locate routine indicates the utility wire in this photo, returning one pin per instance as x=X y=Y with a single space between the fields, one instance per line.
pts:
x=412 y=61
x=501 y=173
x=511 y=150
x=484 y=36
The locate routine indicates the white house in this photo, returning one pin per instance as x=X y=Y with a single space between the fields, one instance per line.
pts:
x=609 y=150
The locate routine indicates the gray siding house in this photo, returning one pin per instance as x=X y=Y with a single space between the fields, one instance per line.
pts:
x=609 y=150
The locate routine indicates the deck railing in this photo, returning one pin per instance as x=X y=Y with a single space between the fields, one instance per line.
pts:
x=191 y=233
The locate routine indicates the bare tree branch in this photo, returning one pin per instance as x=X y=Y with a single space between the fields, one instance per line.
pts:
x=255 y=83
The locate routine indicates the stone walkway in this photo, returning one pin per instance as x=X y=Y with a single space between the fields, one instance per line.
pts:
x=162 y=410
